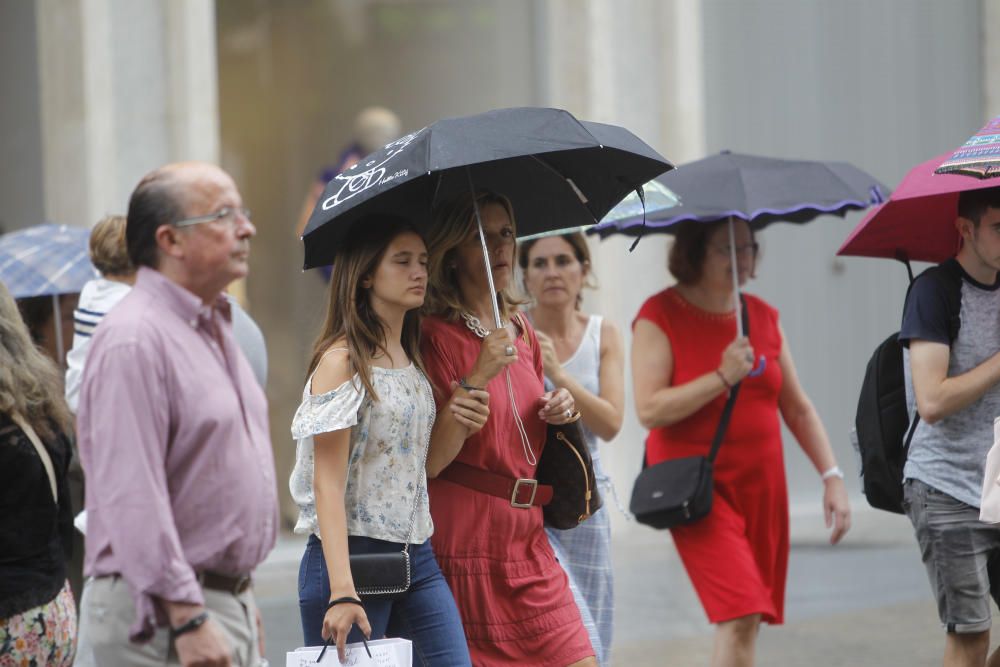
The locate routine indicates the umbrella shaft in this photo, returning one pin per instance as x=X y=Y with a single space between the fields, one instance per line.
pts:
x=736 y=277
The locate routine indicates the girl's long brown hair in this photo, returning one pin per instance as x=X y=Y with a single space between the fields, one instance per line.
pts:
x=30 y=383
x=349 y=315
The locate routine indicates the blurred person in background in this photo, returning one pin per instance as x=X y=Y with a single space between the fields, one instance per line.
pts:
x=584 y=354
x=109 y=256
x=374 y=127
x=37 y=611
x=685 y=359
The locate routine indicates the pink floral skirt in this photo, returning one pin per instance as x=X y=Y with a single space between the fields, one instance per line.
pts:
x=45 y=635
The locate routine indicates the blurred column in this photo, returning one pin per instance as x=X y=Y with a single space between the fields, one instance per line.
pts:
x=125 y=86
x=991 y=58
x=636 y=63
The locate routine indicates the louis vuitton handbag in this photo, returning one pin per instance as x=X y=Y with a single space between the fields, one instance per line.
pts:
x=566 y=465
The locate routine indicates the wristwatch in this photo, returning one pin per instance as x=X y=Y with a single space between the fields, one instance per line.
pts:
x=190 y=625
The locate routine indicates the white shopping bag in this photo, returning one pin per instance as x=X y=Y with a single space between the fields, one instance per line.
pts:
x=989 y=506
x=393 y=652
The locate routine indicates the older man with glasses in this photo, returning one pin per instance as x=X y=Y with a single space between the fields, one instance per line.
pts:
x=173 y=435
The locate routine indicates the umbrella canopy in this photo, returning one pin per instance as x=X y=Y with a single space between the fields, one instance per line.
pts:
x=45 y=260
x=917 y=223
x=558 y=172
x=760 y=190
x=979 y=156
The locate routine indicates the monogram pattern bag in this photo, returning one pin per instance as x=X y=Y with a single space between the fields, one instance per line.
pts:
x=567 y=467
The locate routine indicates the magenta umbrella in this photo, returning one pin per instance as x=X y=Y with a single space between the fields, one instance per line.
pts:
x=917 y=223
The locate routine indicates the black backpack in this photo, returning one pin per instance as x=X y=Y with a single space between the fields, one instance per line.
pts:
x=883 y=425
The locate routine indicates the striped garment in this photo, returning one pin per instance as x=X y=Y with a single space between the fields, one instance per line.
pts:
x=585 y=551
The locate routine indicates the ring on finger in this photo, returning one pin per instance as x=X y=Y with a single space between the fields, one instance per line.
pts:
x=749 y=358
x=568 y=413
x=509 y=350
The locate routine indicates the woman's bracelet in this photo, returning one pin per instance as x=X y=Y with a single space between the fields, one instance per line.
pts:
x=344 y=600
x=723 y=378
x=468 y=387
x=835 y=471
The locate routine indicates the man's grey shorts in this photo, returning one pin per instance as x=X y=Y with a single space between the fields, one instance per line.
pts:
x=962 y=556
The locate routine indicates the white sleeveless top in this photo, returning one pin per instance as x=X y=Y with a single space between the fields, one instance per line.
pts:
x=385 y=466
x=585 y=366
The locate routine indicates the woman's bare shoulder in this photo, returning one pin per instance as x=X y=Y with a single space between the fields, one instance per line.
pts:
x=334 y=369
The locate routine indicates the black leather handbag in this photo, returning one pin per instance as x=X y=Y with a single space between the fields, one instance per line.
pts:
x=381 y=575
x=679 y=491
x=566 y=465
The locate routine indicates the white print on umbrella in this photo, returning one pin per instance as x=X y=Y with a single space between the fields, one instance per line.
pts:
x=352 y=184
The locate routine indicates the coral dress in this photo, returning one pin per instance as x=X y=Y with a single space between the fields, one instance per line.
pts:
x=513 y=596
x=737 y=556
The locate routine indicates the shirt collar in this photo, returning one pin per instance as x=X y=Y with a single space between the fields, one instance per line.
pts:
x=179 y=300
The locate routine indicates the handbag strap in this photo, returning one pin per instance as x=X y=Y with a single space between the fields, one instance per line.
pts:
x=423 y=464
x=727 y=411
x=43 y=454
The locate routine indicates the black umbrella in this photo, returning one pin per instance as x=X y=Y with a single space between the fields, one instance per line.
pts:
x=558 y=172
x=760 y=190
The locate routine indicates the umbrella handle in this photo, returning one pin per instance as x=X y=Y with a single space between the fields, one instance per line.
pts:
x=760 y=368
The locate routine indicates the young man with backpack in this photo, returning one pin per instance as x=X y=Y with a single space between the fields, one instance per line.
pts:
x=953 y=372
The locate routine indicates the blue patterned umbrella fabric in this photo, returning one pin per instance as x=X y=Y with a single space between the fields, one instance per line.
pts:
x=979 y=156
x=44 y=260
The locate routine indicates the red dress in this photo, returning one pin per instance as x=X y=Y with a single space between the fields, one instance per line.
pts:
x=512 y=594
x=737 y=557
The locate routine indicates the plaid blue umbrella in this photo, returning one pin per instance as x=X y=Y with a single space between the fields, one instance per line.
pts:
x=45 y=260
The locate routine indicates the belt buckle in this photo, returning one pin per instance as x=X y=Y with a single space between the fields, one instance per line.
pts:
x=242 y=584
x=533 y=483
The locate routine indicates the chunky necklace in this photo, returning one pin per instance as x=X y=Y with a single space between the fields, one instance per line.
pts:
x=476 y=326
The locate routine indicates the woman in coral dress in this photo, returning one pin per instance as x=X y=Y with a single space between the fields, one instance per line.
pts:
x=685 y=358
x=513 y=597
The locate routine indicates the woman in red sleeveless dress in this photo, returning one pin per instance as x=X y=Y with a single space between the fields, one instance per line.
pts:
x=685 y=358
x=513 y=596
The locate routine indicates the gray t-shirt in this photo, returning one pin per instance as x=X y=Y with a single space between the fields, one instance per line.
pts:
x=950 y=455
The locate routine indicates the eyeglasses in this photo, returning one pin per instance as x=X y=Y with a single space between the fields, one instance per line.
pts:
x=746 y=250
x=225 y=214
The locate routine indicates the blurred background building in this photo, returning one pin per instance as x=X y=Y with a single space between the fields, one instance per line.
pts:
x=94 y=93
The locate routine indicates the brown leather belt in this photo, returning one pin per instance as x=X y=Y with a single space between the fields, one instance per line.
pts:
x=213 y=581
x=521 y=493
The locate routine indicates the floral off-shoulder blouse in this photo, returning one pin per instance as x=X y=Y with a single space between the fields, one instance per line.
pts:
x=385 y=467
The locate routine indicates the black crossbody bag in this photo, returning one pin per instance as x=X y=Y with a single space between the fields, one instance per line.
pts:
x=679 y=491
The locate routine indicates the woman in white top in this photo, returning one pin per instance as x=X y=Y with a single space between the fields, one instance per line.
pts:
x=584 y=354
x=363 y=430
